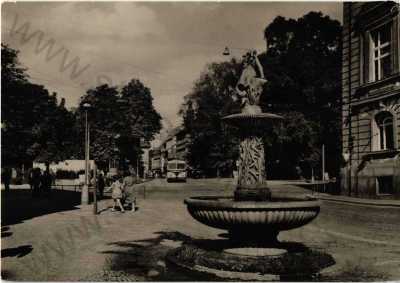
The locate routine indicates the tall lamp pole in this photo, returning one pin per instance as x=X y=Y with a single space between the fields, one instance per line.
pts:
x=85 y=188
x=95 y=189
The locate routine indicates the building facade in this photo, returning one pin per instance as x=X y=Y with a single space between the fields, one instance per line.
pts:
x=155 y=160
x=371 y=100
x=175 y=146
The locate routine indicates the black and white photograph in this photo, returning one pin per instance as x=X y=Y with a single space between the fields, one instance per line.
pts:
x=184 y=141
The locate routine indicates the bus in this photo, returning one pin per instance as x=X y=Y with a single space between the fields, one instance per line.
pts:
x=176 y=170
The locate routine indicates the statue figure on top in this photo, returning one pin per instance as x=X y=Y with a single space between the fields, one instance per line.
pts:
x=250 y=85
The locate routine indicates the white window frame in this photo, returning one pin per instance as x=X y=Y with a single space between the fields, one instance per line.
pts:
x=378 y=131
x=378 y=48
x=382 y=131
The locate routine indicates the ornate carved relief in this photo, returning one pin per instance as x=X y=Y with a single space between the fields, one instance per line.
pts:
x=252 y=162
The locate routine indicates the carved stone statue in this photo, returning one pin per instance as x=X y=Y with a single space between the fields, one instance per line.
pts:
x=252 y=173
x=250 y=84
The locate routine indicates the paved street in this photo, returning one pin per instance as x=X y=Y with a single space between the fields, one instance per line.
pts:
x=66 y=242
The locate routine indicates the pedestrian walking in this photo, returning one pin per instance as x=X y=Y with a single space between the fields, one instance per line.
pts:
x=6 y=178
x=35 y=181
x=46 y=182
x=53 y=177
x=117 y=190
x=101 y=185
x=130 y=189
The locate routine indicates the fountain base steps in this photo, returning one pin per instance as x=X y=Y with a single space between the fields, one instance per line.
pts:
x=254 y=252
x=280 y=262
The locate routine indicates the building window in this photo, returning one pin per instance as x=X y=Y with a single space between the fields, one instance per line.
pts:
x=380 y=52
x=384 y=139
x=384 y=185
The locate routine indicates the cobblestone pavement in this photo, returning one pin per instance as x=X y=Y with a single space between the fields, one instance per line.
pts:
x=68 y=243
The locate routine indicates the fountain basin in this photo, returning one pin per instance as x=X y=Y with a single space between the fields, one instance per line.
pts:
x=264 y=218
x=251 y=120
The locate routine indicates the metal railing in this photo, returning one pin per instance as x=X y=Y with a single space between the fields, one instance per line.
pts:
x=63 y=187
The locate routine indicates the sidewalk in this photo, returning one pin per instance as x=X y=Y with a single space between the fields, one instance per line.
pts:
x=362 y=201
x=337 y=198
x=64 y=241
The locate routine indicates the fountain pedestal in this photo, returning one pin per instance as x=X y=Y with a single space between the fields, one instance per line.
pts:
x=252 y=184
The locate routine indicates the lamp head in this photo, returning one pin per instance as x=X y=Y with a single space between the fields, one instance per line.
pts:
x=226 y=52
x=86 y=105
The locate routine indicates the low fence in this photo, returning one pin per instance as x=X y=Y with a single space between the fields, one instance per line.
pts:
x=67 y=187
x=332 y=188
x=140 y=189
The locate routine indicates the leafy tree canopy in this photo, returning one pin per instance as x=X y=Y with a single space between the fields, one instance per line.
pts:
x=118 y=119
x=35 y=127
x=303 y=62
x=213 y=146
x=303 y=66
x=11 y=70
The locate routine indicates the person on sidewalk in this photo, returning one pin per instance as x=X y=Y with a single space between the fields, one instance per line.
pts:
x=35 y=180
x=46 y=182
x=129 y=186
x=6 y=178
x=117 y=190
x=101 y=185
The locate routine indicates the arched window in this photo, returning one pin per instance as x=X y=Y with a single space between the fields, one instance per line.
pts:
x=385 y=133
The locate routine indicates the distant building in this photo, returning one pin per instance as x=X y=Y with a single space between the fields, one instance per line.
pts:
x=146 y=160
x=145 y=146
x=155 y=159
x=175 y=146
x=182 y=145
x=371 y=99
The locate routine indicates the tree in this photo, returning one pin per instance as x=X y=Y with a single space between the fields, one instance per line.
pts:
x=214 y=146
x=34 y=126
x=289 y=144
x=118 y=120
x=11 y=70
x=144 y=119
x=55 y=131
x=303 y=66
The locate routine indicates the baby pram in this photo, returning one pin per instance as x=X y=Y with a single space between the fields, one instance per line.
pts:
x=129 y=199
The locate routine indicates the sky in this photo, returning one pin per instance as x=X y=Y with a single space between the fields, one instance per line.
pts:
x=72 y=46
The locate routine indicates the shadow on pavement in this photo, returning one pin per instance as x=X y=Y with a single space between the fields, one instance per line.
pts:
x=20 y=251
x=6 y=274
x=18 y=205
x=5 y=232
x=146 y=259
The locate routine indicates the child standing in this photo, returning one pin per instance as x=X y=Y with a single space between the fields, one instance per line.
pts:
x=117 y=193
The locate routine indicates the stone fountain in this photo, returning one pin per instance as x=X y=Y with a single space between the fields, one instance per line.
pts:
x=254 y=216
x=253 y=212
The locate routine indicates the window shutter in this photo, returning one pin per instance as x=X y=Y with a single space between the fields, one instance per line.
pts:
x=375 y=138
x=395 y=45
x=367 y=75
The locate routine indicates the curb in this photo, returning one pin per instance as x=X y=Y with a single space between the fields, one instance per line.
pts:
x=359 y=202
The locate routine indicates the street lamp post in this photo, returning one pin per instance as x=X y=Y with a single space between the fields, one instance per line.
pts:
x=95 y=189
x=85 y=188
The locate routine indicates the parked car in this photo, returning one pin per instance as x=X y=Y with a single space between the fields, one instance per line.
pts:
x=196 y=174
